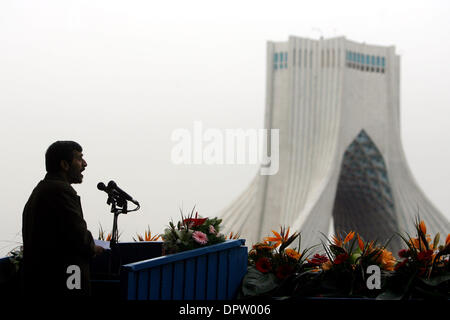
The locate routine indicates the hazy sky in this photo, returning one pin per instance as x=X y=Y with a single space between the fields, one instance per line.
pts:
x=120 y=76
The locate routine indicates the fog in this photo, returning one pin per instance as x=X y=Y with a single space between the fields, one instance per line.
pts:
x=120 y=76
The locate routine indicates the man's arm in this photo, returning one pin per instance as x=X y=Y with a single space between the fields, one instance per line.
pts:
x=71 y=226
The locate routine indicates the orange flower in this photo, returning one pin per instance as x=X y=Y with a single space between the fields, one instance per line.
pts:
x=360 y=243
x=326 y=265
x=386 y=260
x=232 y=236
x=349 y=236
x=369 y=247
x=278 y=239
x=148 y=236
x=337 y=241
x=291 y=253
x=423 y=227
x=447 y=240
x=419 y=244
x=262 y=246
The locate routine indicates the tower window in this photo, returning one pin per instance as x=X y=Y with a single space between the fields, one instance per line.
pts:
x=306 y=58
x=322 y=58
x=299 y=57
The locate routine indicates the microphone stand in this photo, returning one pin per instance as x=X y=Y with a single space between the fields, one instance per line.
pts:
x=119 y=206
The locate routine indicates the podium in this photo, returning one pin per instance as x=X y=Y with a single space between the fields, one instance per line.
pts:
x=105 y=268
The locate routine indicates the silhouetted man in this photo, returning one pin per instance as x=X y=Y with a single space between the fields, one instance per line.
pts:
x=56 y=242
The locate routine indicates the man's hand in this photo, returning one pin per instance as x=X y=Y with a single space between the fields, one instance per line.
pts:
x=98 y=250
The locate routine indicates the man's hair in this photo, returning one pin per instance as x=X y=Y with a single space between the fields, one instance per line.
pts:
x=60 y=150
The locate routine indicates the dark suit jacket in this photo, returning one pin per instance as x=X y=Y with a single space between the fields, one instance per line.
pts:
x=55 y=236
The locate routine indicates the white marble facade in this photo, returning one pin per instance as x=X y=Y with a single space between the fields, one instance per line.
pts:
x=341 y=161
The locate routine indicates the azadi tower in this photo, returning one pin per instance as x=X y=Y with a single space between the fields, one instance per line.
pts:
x=342 y=167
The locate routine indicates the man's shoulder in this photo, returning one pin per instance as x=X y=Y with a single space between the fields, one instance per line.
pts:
x=55 y=187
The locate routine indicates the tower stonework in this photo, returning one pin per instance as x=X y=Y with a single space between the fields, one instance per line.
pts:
x=342 y=166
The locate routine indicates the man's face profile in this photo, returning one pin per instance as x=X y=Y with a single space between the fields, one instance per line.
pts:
x=75 y=169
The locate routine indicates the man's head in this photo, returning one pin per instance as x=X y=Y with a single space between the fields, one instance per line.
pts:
x=66 y=158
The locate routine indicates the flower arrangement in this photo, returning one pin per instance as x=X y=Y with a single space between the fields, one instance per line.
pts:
x=147 y=236
x=424 y=270
x=105 y=237
x=191 y=233
x=344 y=265
x=16 y=257
x=272 y=264
x=233 y=236
x=342 y=269
x=278 y=271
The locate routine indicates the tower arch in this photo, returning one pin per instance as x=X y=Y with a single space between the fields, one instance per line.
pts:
x=364 y=200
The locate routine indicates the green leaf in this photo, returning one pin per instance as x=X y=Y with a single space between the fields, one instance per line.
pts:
x=256 y=283
x=430 y=294
x=436 y=240
x=390 y=295
x=289 y=241
x=337 y=250
x=435 y=281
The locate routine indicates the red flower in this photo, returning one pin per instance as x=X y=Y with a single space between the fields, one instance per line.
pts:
x=421 y=271
x=425 y=255
x=284 y=271
x=318 y=259
x=400 y=265
x=404 y=253
x=341 y=258
x=193 y=222
x=263 y=265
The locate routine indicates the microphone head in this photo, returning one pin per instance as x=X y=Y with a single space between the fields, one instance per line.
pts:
x=101 y=186
x=112 y=184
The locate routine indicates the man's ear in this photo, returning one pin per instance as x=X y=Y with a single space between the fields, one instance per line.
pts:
x=64 y=165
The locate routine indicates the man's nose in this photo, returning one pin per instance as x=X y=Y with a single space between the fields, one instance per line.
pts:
x=84 y=163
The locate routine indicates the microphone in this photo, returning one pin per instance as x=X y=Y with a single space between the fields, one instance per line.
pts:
x=114 y=190
x=101 y=186
x=113 y=186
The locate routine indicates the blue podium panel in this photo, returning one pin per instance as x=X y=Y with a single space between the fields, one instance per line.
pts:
x=222 y=275
x=166 y=282
x=178 y=281
x=211 y=273
x=200 y=278
x=211 y=277
x=143 y=285
x=189 y=274
x=155 y=282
